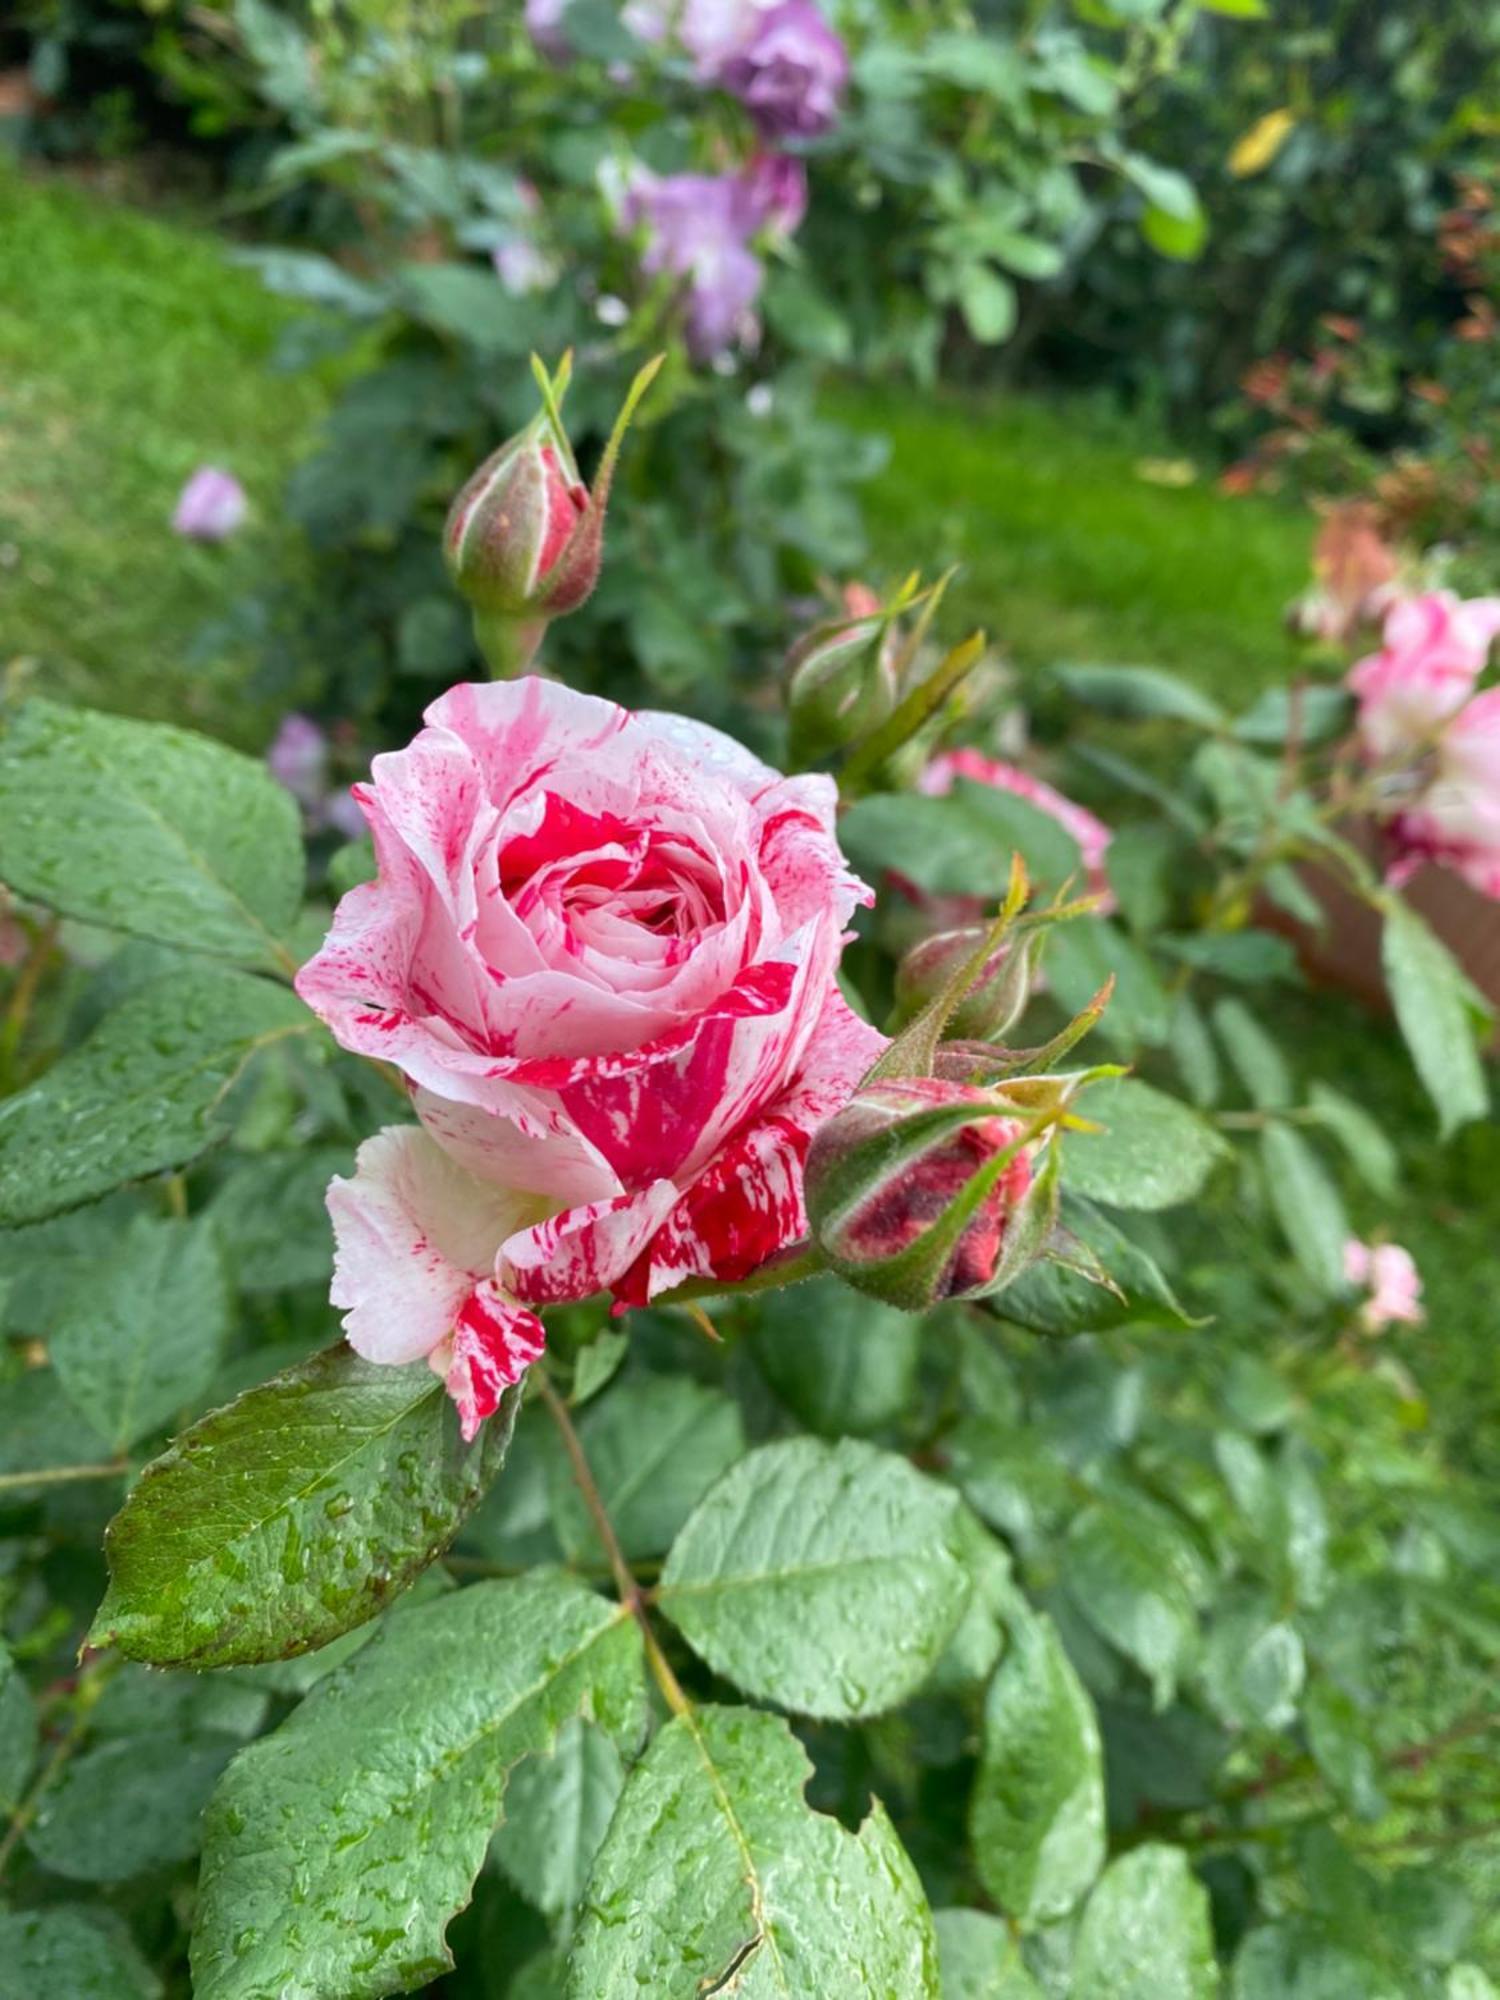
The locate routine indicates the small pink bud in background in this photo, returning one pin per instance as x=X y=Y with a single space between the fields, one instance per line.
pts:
x=298 y=759
x=919 y=1191
x=1389 y=1276
x=210 y=506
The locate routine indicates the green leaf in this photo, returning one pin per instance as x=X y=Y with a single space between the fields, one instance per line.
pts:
x=979 y=1639
x=1253 y=1666
x=270 y=1217
x=1253 y=958
x=1371 y=1154
x=1315 y=714
x=1146 y=1932
x=1237 y=10
x=200 y=848
x=717 y=1877
x=1153 y=1153
x=64 y=1954
x=1057 y=1296
x=142 y=1093
x=821 y=1577
x=1193 y=1051
x=1340 y=1734
x=988 y=303
x=840 y=1362
x=128 y=1805
x=1258 y=1062
x=982 y=63
x=1139 y=694
x=654 y=1444
x=960 y=845
x=980 y=1959
x=293 y=1515
x=1307 y=1204
x=1432 y=1000
x=1178 y=236
x=1297 y=1960
x=337 y=1849
x=140 y=1337
x=18 y=1732
x=1134 y=1573
x=1037 y=1812
x=802 y=313
x=1081 y=955
x=557 y=1811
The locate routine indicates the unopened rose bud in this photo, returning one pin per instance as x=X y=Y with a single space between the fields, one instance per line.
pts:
x=525 y=536
x=995 y=1000
x=841 y=679
x=921 y=1190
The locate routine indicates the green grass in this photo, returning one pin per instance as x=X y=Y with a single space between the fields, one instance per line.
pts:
x=131 y=351
x=1068 y=552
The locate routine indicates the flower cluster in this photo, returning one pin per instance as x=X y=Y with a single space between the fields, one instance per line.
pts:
x=1432 y=740
x=1388 y=1277
x=601 y=948
x=788 y=67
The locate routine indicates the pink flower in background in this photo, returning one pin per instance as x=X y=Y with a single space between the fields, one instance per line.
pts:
x=602 y=948
x=299 y=759
x=1455 y=819
x=697 y=228
x=1434 y=650
x=1091 y=834
x=210 y=506
x=789 y=72
x=1389 y=1276
x=714 y=30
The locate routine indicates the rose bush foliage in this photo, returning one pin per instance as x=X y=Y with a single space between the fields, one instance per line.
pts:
x=1118 y=1620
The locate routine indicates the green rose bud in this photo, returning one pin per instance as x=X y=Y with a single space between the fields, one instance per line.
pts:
x=841 y=678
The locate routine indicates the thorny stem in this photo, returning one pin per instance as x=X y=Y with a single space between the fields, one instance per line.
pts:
x=630 y=1591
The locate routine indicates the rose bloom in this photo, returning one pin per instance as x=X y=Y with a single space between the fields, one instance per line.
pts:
x=210 y=506
x=1455 y=819
x=1091 y=834
x=790 y=72
x=602 y=949
x=1434 y=650
x=1389 y=1275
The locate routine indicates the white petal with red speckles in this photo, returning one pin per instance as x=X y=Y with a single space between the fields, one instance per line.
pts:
x=416 y=1241
x=588 y=1249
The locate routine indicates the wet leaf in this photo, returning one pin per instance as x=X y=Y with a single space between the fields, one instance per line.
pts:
x=821 y=1577
x=980 y=1959
x=142 y=1093
x=717 y=1877
x=337 y=1849
x=203 y=848
x=557 y=1811
x=297 y=1512
x=1145 y=1932
x=1037 y=1813
x=1154 y=1151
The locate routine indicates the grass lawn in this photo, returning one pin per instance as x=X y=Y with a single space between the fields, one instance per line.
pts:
x=1069 y=552
x=131 y=352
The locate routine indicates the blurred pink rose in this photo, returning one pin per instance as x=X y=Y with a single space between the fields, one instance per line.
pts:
x=1388 y=1275
x=210 y=506
x=1455 y=818
x=1091 y=834
x=602 y=948
x=1434 y=650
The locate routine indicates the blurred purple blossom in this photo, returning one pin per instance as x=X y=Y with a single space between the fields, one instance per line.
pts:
x=775 y=193
x=790 y=72
x=697 y=228
x=299 y=758
x=544 y=25
x=210 y=506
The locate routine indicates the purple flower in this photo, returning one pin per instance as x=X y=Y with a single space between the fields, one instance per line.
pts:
x=697 y=228
x=790 y=72
x=713 y=30
x=210 y=506
x=544 y=25
x=298 y=759
x=775 y=193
